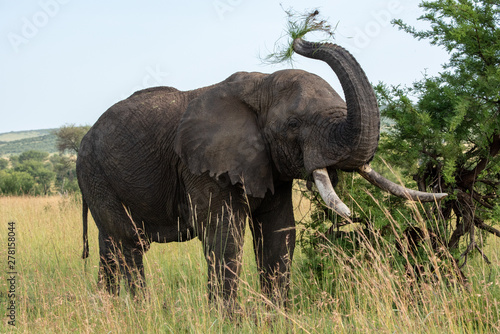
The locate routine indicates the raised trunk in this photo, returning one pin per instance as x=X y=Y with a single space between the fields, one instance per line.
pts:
x=360 y=131
x=352 y=143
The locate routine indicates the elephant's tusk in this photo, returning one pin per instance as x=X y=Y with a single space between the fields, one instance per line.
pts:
x=325 y=188
x=378 y=180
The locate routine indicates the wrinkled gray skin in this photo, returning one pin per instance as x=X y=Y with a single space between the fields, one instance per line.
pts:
x=166 y=165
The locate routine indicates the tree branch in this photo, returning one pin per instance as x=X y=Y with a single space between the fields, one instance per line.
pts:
x=480 y=199
x=468 y=178
x=480 y=224
x=482 y=254
x=488 y=182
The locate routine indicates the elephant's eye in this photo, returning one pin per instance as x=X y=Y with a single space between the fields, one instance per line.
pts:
x=293 y=123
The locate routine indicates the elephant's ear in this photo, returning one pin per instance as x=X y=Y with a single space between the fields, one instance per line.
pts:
x=219 y=133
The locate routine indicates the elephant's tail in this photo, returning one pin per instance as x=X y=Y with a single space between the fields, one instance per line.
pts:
x=85 y=211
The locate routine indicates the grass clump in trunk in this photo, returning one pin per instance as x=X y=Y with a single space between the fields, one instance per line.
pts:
x=298 y=25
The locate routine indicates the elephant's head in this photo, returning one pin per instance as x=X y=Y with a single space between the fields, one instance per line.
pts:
x=258 y=128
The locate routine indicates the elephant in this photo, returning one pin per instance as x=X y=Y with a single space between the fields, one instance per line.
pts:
x=166 y=165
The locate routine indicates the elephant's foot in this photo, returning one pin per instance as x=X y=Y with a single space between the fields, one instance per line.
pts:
x=109 y=279
x=226 y=309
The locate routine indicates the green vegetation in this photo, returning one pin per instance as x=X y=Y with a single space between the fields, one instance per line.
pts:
x=69 y=137
x=451 y=134
x=36 y=172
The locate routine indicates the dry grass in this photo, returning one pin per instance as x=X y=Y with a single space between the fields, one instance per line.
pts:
x=56 y=290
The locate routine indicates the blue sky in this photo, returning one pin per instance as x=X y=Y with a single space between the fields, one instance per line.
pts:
x=67 y=61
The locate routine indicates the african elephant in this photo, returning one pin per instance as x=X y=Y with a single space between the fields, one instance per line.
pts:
x=166 y=165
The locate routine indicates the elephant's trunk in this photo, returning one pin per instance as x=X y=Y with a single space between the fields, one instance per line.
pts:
x=359 y=133
x=352 y=143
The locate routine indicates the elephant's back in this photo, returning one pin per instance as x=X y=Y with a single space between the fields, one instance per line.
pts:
x=130 y=149
x=133 y=128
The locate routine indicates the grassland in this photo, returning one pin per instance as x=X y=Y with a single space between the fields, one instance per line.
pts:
x=56 y=290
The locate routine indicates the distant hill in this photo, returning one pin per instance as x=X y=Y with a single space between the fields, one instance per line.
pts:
x=17 y=142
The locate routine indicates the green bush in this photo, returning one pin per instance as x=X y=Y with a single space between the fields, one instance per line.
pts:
x=383 y=226
x=37 y=173
x=16 y=182
x=4 y=163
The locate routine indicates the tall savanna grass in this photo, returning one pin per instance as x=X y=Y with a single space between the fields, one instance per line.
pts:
x=56 y=290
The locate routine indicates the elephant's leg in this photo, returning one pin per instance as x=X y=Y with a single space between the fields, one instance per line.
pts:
x=223 y=243
x=273 y=229
x=109 y=269
x=121 y=242
x=133 y=268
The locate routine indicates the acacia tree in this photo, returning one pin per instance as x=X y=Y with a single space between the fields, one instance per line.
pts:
x=452 y=131
x=69 y=137
x=68 y=140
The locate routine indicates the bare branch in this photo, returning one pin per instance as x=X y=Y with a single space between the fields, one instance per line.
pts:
x=482 y=254
x=480 y=224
